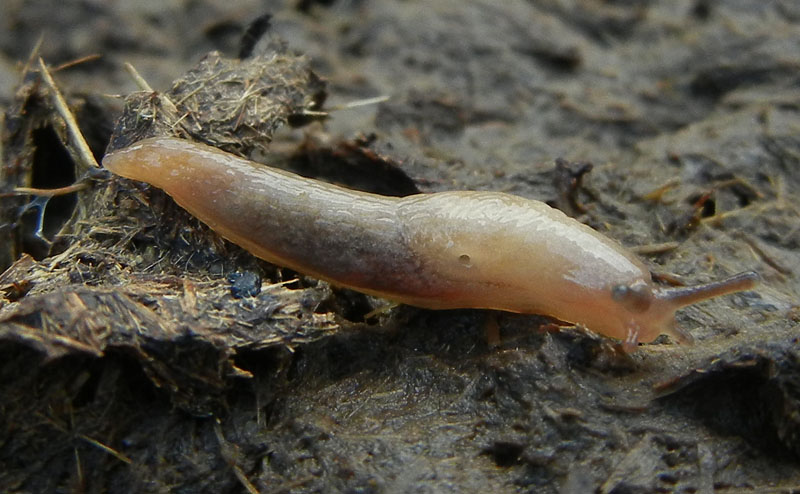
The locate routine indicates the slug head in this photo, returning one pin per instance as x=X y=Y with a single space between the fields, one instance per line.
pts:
x=636 y=297
x=650 y=311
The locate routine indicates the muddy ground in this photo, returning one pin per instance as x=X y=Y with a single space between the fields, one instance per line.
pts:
x=139 y=352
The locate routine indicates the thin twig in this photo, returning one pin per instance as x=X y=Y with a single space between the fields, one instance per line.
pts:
x=649 y=249
x=346 y=106
x=25 y=191
x=34 y=54
x=107 y=449
x=78 y=141
x=229 y=453
x=77 y=61
x=78 y=467
x=137 y=78
x=364 y=102
x=144 y=86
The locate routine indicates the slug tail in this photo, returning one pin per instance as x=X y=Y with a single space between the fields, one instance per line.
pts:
x=135 y=162
x=687 y=295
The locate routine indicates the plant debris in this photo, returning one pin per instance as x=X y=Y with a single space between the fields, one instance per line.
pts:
x=128 y=364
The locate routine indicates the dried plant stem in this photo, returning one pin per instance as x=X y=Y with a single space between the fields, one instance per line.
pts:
x=78 y=141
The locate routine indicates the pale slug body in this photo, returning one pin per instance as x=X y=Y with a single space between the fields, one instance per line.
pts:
x=440 y=251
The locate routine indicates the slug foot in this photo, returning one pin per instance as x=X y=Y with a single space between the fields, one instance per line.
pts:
x=631 y=342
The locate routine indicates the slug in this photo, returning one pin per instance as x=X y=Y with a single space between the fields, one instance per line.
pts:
x=444 y=250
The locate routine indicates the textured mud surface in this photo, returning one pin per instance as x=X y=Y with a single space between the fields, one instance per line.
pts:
x=139 y=352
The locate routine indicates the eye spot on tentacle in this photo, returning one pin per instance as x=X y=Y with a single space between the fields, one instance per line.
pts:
x=636 y=297
x=619 y=292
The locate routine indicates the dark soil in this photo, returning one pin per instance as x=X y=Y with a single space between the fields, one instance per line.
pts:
x=140 y=352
